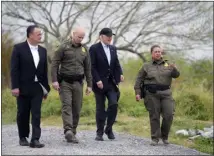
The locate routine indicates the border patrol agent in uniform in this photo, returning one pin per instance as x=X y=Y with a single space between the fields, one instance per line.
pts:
x=75 y=65
x=153 y=84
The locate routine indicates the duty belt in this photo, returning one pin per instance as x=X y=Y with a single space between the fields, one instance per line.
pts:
x=153 y=88
x=72 y=78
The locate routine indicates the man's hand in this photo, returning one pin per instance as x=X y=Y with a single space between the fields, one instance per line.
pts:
x=56 y=86
x=88 y=90
x=121 y=78
x=45 y=97
x=137 y=97
x=15 y=92
x=100 y=84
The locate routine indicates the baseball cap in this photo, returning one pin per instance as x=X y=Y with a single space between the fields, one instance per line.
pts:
x=107 y=32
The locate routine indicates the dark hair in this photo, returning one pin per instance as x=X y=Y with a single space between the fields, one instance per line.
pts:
x=154 y=46
x=30 y=29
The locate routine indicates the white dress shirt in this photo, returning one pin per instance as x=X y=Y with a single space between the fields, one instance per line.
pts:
x=107 y=52
x=35 y=54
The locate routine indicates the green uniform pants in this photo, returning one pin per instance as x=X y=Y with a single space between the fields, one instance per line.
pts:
x=71 y=96
x=160 y=103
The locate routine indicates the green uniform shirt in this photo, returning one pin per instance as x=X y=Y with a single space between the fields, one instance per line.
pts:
x=155 y=72
x=74 y=60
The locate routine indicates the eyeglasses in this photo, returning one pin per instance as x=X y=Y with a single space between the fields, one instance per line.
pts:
x=157 y=51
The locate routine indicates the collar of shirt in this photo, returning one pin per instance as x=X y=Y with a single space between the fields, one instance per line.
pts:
x=158 y=61
x=104 y=45
x=33 y=47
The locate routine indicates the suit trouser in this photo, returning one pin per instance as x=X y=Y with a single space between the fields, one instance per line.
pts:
x=31 y=100
x=71 y=95
x=101 y=114
x=160 y=103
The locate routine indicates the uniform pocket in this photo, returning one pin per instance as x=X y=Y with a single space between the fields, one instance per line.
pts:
x=69 y=55
x=151 y=73
x=82 y=56
x=68 y=51
x=165 y=71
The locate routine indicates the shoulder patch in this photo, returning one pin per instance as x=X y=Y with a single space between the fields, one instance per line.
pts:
x=83 y=49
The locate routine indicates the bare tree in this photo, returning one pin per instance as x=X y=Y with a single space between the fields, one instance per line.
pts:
x=175 y=25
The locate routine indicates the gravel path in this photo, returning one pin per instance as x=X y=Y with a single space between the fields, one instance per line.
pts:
x=55 y=144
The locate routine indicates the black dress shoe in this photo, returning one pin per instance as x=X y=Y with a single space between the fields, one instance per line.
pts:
x=23 y=142
x=110 y=135
x=99 y=138
x=36 y=144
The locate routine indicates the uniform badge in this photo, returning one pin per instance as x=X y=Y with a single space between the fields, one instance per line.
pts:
x=83 y=49
x=166 y=64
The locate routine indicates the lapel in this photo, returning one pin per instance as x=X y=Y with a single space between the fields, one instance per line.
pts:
x=103 y=52
x=29 y=54
x=40 y=55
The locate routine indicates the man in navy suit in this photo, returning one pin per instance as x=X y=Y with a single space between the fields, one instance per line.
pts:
x=107 y=74
x=29 y=82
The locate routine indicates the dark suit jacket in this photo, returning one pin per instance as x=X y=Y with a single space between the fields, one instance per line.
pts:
x=100 y=67
x=23 y=70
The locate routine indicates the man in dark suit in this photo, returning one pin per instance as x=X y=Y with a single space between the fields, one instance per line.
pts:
x=29 y=82
x=107 y=74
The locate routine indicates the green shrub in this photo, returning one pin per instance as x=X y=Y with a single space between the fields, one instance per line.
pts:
x=127 y=103
x=204 y=145
x=194 y=103
x=137 y=111
x=8 y=106
x=88 y=106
